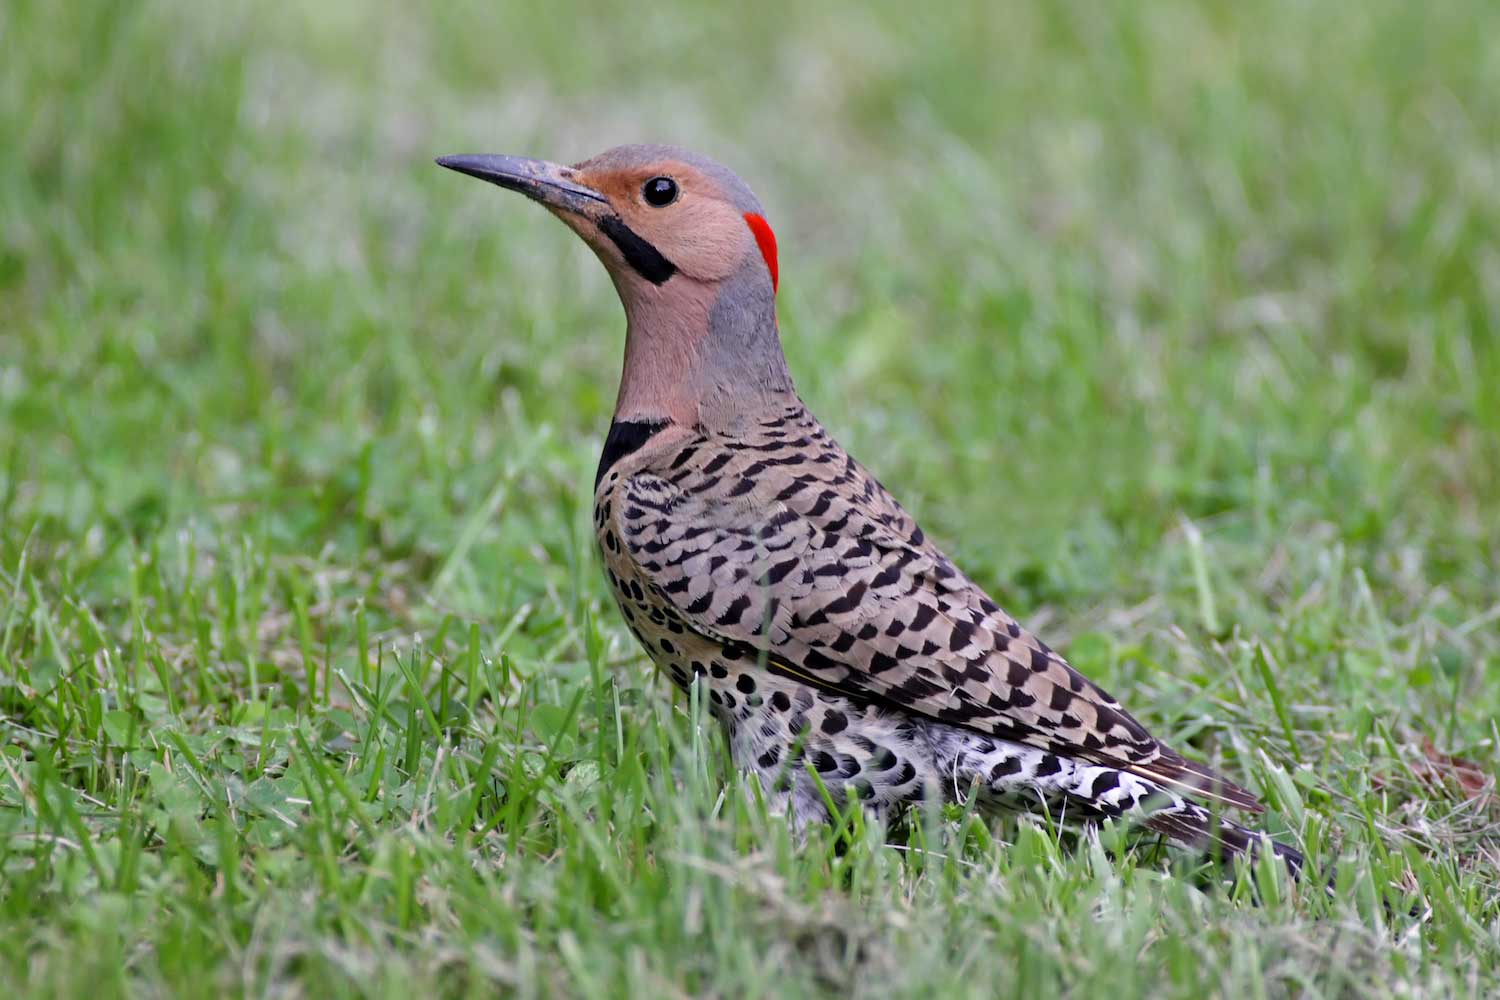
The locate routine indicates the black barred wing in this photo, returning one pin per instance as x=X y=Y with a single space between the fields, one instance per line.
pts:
x=832 y=583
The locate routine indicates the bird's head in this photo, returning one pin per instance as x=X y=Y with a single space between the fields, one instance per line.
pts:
x=691 y=254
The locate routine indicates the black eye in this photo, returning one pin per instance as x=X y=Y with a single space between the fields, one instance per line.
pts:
x=660 y=191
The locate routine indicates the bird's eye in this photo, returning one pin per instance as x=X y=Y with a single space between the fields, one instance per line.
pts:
x=660 y=191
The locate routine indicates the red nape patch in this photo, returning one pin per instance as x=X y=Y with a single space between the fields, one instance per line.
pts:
x=766 y=240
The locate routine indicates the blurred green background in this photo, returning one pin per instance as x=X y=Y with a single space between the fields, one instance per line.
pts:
x=1176 y=324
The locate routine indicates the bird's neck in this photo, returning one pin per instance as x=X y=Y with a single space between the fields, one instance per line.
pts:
x=702 y=355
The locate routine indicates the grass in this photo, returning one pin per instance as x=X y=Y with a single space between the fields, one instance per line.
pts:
x=1178 y=325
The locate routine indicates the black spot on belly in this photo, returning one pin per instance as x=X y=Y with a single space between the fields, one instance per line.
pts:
x=1107 y=781
x=745 y=683
x=1004 y=769
x=834 y=722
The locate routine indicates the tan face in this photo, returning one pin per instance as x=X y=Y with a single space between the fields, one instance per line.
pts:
x=675 y=209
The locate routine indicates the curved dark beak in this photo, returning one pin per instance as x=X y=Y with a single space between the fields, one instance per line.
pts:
x=552 y=184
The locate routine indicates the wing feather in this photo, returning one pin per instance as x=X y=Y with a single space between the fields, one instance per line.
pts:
x=826 y=577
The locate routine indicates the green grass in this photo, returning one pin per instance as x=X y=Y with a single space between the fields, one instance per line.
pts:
x=1178 y=325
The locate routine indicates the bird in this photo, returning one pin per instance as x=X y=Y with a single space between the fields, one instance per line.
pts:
x=848 y=659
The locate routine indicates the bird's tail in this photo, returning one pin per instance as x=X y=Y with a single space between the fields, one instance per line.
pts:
x=1015 y=776
x=1190 y=825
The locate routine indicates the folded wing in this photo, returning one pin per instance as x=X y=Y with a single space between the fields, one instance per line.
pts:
x=837 y=587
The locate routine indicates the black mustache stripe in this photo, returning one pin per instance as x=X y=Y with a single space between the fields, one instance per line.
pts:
x=645 y=258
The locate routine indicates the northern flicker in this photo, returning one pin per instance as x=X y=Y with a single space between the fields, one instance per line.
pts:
x=751 y=555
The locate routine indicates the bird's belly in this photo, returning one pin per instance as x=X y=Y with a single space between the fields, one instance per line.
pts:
x=791 y=736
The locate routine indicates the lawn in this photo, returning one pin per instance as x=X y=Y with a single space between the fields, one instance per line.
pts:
x=1177 y=325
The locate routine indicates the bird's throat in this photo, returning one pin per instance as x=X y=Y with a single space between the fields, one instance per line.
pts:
x=700 y=353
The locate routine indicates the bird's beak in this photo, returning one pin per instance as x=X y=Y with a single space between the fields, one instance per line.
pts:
x=552 y=184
